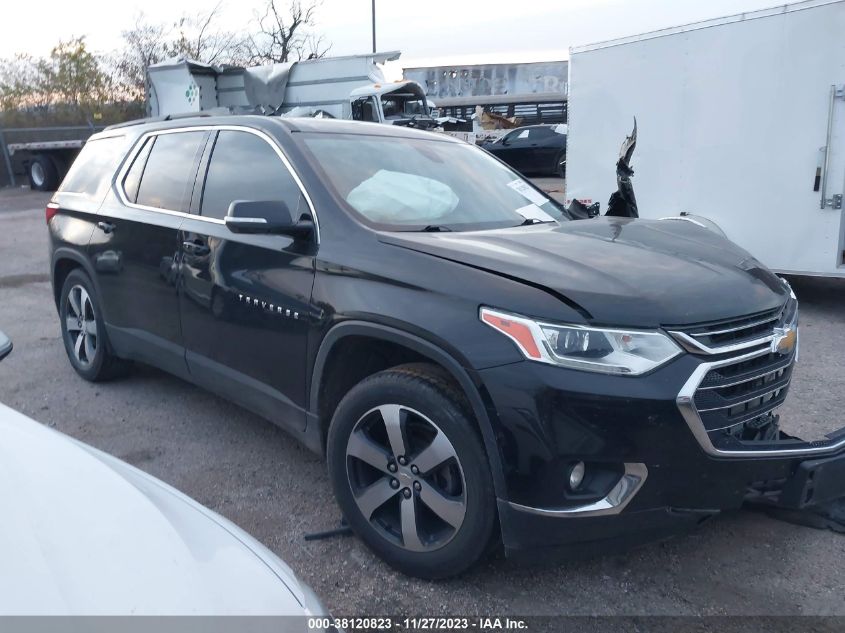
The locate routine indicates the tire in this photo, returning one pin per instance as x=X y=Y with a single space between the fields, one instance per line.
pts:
x=80 y=316
x=559 y=168
x=43 y=175
x=439 y=519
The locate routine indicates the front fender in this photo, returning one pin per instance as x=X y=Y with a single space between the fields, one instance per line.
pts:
x=468 y=379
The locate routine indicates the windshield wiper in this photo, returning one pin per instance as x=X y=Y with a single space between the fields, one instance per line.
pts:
x=531 y=221
x=435 y=228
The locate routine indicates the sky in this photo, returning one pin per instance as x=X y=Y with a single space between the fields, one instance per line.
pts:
x=427 y=33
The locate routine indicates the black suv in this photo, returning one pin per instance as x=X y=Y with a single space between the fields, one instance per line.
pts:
x=476 y=367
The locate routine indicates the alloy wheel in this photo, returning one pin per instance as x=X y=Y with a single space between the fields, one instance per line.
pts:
x=406 y=478
x=81 y=325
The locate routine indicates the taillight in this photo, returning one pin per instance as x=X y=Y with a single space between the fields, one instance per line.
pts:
x=52 y=209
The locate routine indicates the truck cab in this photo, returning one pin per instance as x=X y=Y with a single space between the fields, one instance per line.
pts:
x=396 y=103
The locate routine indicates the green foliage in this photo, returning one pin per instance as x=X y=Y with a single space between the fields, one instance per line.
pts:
x=72 y=86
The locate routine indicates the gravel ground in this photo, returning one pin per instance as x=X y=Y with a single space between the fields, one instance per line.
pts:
x=254 y=474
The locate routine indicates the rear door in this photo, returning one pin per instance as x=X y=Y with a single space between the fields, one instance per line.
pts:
x=134 y=248
x=245 y=299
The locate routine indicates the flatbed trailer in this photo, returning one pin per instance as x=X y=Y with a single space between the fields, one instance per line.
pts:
x=43 y=162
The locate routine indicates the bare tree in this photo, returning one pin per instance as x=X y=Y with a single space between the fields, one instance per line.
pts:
x=200 y=38
x=287 y=36
x=144 y=44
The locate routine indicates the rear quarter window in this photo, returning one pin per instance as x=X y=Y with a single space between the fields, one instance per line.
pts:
x=91 y=173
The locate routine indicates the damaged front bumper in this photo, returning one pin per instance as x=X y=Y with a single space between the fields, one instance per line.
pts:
x=666 y=451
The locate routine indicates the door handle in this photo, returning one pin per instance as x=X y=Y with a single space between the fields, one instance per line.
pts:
x=196 y=248
x=834 y=202
x=106 y=227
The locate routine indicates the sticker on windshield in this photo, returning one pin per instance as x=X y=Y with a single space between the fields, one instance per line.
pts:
x=533 y=212
x=528 y=192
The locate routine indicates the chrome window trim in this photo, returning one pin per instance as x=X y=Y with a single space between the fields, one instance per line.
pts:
x=686 y=404
x=615 y=502
x=139 y=143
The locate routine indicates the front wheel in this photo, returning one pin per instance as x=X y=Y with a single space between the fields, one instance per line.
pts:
x=410 y=473
x=559 y=168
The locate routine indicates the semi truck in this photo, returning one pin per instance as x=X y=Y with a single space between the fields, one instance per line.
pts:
x=345 y=87
x=740 y=127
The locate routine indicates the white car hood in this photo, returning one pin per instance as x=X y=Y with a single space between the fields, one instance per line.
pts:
x=83 y=533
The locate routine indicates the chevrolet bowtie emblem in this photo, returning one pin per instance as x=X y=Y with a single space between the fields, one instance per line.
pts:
x=784 y=340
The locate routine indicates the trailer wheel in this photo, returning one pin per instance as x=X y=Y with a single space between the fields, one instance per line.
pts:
x=43 y=175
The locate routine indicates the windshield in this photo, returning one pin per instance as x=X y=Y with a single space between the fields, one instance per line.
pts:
x=414 y=184
x=397 y=106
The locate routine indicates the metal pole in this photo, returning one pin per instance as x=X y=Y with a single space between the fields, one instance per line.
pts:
x=7 y=159
x=374 y=26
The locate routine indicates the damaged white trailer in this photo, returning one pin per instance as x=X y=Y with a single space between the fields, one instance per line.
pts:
x=348 y=87
x=741 y=120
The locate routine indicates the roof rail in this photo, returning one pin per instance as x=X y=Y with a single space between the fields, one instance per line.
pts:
x=171 y=117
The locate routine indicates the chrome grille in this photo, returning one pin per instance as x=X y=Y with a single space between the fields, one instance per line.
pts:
x=718 y=337
x=733 y=394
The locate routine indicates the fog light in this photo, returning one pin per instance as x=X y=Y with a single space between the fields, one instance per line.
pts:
x=576 y=475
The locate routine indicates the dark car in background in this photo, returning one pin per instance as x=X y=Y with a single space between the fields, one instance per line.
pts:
x=534 y=149
x=477 y=368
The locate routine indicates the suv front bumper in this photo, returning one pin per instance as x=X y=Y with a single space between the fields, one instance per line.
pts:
x=668 y=479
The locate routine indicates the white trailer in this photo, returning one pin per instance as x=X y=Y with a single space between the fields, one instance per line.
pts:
x=741 y=120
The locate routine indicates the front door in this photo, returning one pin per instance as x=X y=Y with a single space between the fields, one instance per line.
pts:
x=513 y=149
x=135 y=245
x=245 y=299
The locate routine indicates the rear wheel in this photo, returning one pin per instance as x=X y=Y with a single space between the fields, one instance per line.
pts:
x=43 y=175
x=410 y=473
x=83 y=331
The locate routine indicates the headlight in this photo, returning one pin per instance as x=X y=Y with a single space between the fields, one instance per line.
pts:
x=609 y=351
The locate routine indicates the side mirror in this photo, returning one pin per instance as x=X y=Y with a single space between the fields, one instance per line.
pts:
x=269 y=217
x=5 y=346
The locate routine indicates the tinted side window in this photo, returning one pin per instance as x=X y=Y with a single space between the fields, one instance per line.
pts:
x=245 y=167
x=170 y=170
x=537 y=133
x=132 y=180
x=92 y=171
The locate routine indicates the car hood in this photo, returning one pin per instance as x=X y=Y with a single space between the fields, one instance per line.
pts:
x=635 y=273
x=86 y=534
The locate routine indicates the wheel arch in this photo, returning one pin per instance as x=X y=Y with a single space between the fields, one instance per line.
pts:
x=425 y=350
x=64 y=260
